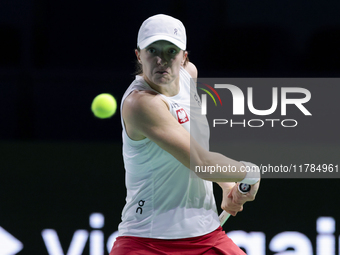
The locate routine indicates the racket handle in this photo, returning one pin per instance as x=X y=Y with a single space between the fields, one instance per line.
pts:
x=223 y=217
x=242 y=188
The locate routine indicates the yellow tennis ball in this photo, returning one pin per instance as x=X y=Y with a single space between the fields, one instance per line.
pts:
x=104 y=106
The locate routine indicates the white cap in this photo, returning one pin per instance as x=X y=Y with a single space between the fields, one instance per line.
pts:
x=162 y=27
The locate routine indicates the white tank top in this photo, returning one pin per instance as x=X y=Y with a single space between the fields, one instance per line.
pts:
x=165 y=199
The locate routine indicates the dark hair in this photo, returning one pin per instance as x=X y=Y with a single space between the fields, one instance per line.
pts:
x=139 y=67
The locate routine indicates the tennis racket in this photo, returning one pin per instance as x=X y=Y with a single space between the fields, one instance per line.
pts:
x=244 y=189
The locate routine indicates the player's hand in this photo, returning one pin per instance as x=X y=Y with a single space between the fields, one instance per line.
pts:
x=228 y=204
x=239 y=198
x=233 y=200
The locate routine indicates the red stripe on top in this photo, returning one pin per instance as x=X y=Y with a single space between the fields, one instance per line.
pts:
x=213 y=90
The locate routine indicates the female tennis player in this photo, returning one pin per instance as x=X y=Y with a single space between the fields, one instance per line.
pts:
x=170 y=207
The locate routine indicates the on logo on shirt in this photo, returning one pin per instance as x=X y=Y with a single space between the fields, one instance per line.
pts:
x=182 y=116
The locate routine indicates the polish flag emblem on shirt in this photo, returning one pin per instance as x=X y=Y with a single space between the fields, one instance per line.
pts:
x=182 y=116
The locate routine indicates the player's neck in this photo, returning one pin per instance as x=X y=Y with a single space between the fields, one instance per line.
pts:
x=169 y=90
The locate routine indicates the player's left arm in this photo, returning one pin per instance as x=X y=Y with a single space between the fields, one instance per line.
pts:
x=233 y=200
x=191 y=69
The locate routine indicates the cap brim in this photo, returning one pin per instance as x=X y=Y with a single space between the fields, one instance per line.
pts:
x=155 y=38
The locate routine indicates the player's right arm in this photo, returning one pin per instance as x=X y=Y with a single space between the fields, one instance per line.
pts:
x=146 y=114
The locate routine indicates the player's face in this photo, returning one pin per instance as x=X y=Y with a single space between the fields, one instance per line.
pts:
x=161 y=62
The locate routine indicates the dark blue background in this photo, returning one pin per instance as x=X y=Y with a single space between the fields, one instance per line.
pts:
x=55 y=56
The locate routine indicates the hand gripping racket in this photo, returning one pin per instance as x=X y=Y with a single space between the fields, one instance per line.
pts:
x=244 y=189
